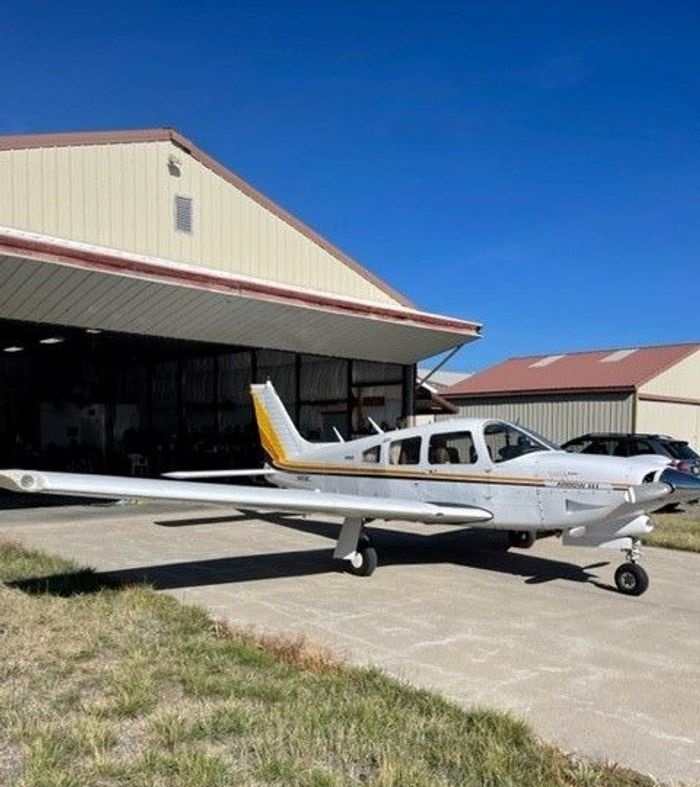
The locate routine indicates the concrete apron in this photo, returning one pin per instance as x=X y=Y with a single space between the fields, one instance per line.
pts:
x=539 y=632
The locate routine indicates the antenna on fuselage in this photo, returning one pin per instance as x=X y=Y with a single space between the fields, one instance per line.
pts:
x=378 y=429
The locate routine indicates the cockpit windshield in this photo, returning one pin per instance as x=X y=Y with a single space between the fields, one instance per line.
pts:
x=505 y=441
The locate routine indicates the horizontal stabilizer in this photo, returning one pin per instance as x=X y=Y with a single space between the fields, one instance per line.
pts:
x=300 y=501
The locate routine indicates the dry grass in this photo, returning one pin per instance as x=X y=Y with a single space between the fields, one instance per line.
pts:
x=676 y=531
x=296 y=650
x=114 y=686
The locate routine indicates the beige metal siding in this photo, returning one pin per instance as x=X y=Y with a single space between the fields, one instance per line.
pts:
x=122 y=196
x=557 y=417
x=677 y=420
x=681 y=381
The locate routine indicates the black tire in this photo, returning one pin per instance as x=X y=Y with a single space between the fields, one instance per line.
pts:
x=522 y=539
x=631 y=579
x=365 y=561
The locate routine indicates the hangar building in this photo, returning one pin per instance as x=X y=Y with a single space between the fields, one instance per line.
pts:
x=645 y=389
x=143 y=286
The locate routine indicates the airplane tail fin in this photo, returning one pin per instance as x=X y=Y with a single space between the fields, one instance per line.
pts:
x=278 y=435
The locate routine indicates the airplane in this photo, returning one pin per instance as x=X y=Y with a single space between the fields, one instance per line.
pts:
x=466 y=472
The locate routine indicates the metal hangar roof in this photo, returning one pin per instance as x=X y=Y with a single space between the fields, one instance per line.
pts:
x=594 y=370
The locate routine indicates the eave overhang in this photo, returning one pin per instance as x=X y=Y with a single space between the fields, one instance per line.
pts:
x=45 y=279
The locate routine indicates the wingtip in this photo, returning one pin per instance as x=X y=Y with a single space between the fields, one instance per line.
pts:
x=20 y=481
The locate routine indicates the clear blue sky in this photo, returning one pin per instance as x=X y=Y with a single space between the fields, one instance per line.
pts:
x=534 y=166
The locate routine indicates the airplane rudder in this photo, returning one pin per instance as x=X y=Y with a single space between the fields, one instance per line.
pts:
x=278 y=434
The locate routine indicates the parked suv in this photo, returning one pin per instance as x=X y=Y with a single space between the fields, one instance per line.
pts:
x=681 y=455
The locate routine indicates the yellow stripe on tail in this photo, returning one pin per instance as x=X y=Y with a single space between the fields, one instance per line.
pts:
x=278 y=435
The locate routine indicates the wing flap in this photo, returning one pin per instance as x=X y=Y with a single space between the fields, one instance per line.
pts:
x=248 y=497
x=186 y=474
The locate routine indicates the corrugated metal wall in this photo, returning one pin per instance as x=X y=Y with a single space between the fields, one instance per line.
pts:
x=557 y=417
x=123 y=196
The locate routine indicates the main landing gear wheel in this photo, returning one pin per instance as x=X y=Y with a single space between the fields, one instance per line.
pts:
x=631 y=579
x=364 y=561
x=523 y=539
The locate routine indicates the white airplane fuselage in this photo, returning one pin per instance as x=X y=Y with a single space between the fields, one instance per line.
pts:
x=542 y=490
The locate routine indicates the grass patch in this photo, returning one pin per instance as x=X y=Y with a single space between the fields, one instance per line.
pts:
x=123 y=686
x=676 y=531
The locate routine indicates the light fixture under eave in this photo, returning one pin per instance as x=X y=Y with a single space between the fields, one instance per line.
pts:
x=13 y=349
x=52 y=340
x=93 y=331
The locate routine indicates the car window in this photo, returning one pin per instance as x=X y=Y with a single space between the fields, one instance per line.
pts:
x=679 y=449
x=639 y=447
x=599 y=446
x=620 y=447
x=577 y=446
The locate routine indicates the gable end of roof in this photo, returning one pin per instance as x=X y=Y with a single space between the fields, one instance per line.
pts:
x=72 y=139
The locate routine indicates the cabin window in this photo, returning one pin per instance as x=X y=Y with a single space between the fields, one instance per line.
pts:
x=405 y=452
x=455 y=448
x=505 y=441
x=371 y=454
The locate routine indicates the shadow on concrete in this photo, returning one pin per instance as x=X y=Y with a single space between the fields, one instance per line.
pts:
x=10 y=501
x=482 y=550
x=208 y=520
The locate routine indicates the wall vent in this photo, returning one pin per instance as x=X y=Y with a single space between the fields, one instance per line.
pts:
x=183 y=214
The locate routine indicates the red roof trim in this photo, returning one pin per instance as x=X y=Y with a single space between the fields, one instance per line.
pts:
x=536 y=392
x=102 y=261
x=32 y=141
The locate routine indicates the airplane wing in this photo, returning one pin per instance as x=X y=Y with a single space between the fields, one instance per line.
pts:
x=301 y=501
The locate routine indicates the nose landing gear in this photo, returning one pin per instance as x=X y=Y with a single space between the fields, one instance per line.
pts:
x=630 y=578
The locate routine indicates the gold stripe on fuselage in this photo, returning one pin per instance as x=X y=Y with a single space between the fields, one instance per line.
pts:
x=373 y=471
x=274 y=448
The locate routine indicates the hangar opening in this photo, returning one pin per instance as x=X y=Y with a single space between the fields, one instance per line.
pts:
x=97 y=401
